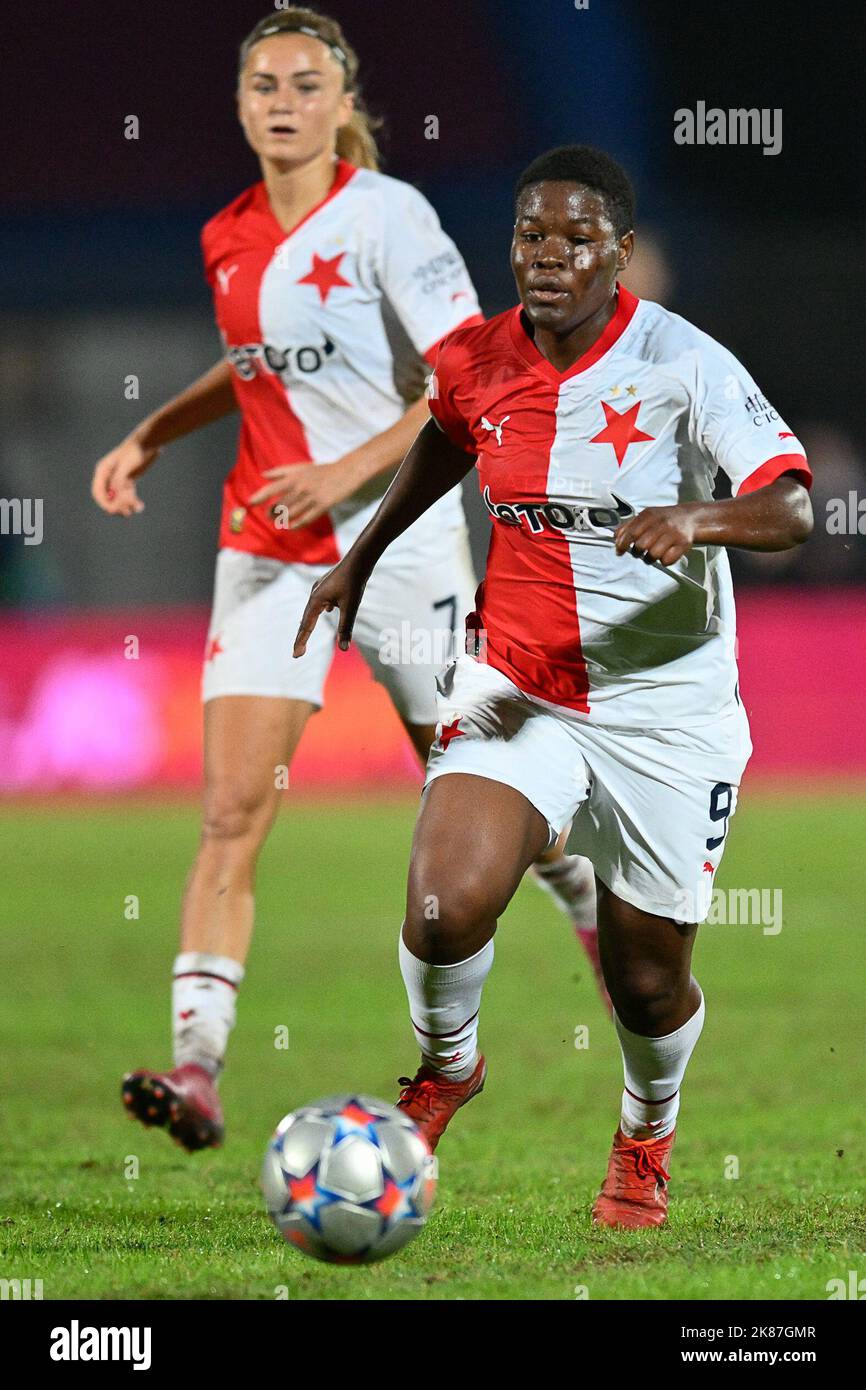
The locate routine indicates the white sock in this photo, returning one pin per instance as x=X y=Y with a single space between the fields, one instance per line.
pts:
x=654 y=1070
x=444 y=1002
x=570 y=881
x=203 y=997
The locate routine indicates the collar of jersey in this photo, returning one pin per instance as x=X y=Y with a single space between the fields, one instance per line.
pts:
x=343 y=172
x=626 y=304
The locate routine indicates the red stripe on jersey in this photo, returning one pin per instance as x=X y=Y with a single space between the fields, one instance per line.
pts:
x=271 y=435
x=430 y=354
x=529 y=591
x=773 y=469
x=626 y=304
x=270 y=430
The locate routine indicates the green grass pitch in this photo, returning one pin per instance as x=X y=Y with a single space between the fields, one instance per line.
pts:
x=775 y=1087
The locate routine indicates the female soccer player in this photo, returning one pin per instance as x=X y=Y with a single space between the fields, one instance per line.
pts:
x=332 y=284
x=605 y=684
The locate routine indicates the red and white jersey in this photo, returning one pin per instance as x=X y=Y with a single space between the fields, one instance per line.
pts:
x=645 y=418
x=327 y=329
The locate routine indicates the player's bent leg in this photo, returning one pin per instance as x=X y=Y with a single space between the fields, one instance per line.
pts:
x=659 y=1014
x=474 y=840
x=248 y=740
x=569 y=879
x=647 y=965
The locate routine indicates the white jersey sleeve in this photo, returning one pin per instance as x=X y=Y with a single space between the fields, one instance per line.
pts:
x=739 y=429
x=420 y=271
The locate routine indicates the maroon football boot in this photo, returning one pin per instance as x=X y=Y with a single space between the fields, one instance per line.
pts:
x=183 y=1101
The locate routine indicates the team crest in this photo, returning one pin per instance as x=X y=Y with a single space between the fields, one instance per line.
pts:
x=236 y=520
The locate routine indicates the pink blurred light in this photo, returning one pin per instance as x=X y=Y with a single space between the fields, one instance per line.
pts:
x=90 y=721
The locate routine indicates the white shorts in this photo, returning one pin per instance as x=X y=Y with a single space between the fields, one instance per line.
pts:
x=405 y=629
x=651 y=808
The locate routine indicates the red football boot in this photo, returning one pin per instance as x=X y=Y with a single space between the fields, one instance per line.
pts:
x=184 y=1100
x=635 y=1191
x=430 y=1099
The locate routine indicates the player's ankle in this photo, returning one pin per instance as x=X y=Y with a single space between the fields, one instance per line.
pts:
x=211 y=1065
x=449 y=1070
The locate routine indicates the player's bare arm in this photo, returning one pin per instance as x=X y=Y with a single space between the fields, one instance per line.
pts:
x=207 y=399
x=309 y=489
x=775 y=517
x=431 y=468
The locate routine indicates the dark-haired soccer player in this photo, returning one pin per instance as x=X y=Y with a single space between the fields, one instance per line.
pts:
x=605 y=683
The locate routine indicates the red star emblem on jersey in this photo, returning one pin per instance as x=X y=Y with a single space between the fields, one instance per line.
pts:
x=450 y=731
x=325 y=275
x=213 y=648
x=620 y=430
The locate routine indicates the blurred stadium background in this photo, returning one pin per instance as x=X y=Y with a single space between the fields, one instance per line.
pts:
x=100 y=279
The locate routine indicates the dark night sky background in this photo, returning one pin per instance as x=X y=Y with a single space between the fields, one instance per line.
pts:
x=505 y=79
x=90 y=218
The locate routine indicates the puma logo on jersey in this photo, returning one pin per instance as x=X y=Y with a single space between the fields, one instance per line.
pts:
x=497 y=429
x=224 y=277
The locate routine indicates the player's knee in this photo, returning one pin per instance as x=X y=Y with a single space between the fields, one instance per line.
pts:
x=446 y=911
x=644 y=994
x=234 y=818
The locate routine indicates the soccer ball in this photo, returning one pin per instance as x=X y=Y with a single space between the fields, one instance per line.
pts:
x=348 y=1179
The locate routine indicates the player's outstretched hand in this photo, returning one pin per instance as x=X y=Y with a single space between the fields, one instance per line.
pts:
x=113 y=485
x=658 y=533
x=341 y=588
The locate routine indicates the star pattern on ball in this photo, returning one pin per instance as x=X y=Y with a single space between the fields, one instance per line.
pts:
x=621 y=430
x=395 y=1202
x=306 y=1197
x=354 y=1119
x=325 y=275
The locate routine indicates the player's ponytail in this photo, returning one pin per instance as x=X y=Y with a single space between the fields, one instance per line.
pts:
x=356 y=142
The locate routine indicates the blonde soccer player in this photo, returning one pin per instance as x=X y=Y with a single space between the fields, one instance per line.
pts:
x=333 y=285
